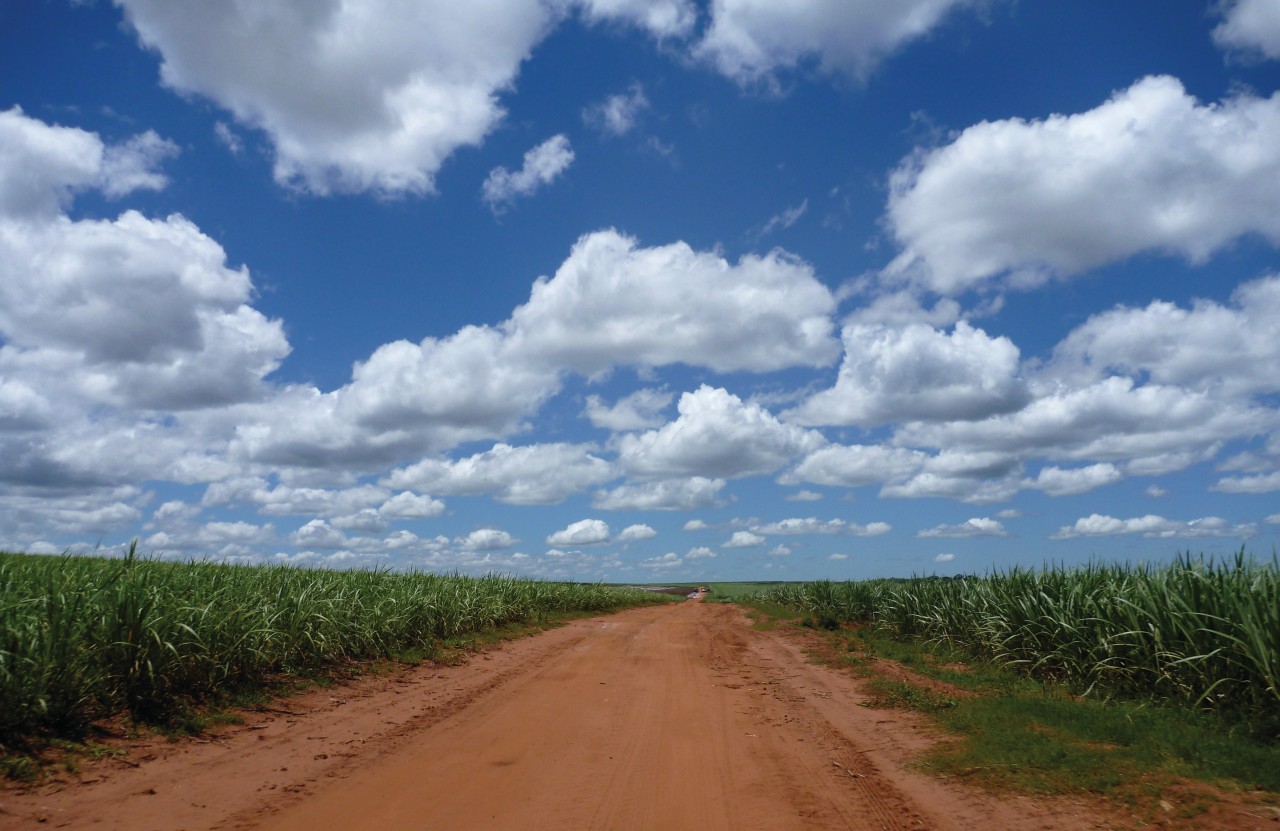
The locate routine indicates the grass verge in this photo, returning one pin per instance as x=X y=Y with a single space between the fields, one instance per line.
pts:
x=1013 y=733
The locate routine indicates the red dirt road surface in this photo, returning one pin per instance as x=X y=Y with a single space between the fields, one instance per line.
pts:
x=659 y=718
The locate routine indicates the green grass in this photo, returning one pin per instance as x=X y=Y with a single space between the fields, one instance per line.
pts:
x=19 y=768
x=767 y=616
x=1051 y=743
x=735 y=591
x=1202 y=634
x=910 y=696
x=83 y=639
x=1019 y=733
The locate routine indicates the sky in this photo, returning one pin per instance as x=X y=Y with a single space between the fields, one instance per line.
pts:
x=641 y=290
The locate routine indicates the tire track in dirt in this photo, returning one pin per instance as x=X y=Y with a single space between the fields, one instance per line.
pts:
x=794 y=732
x=666 y=717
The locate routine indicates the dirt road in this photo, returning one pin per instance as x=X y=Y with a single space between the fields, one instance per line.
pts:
x=659 y=718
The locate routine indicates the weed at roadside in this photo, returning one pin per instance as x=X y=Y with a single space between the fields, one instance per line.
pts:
x=1014 y=733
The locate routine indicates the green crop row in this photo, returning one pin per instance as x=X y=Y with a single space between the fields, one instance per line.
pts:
x=82 y=638
x=1196 y=632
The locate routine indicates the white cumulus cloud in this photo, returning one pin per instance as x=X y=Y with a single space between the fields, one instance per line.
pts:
x=212 y=537
x=975 y=527
x=1254 y=483
x=913 y=372
x=1225 y=348
x=716 y=434
x=538 y=474
x=813 y=525
x=637 y=533
x=367 y=521
x=749 y=41
x=1111 y=420
x=613 y=303
x=666 y=495
x=43 y=166
x=132 y=312
x=1057 y=481
x=853 y=466
x=666 y=561
x=1150 y=169
x=784 y=220
x=407 y=505
x=582 y=532
x=970 y=475
x=117 y=334
x=639 y=410
x=542 y=166
x=486 y=539
x=1251 y=26
x=660 y=18
x=617 y=114
x=287 y=500
x=610 y=304
x=1100 y=525
x=372 y=95
x=318 y=534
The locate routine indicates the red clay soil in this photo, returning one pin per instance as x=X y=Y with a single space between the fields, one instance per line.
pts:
x=667 y=717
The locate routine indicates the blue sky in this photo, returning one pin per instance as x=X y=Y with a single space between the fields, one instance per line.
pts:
x=641 y=290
